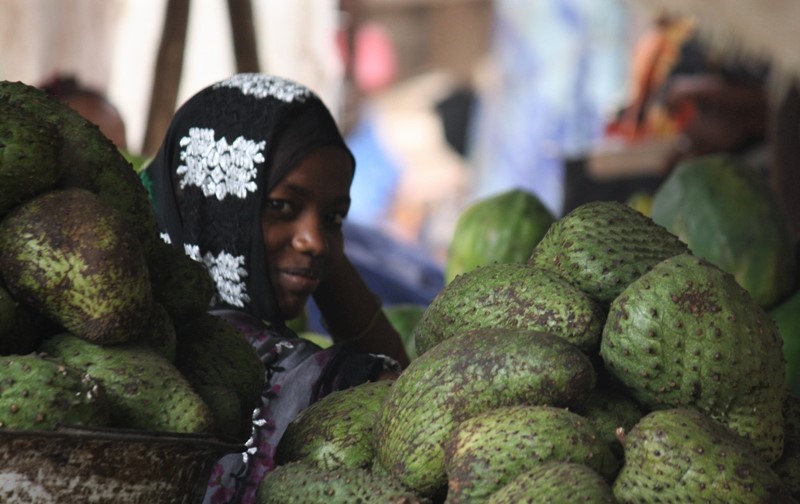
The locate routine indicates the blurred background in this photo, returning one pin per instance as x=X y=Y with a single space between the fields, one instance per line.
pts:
x=448 y=101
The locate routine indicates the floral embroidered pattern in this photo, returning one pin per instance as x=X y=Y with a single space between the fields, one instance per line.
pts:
x=228 y=274
x=263 y=86
x=217 y=167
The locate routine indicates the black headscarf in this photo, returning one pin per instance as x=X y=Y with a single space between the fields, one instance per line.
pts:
x=225 y=150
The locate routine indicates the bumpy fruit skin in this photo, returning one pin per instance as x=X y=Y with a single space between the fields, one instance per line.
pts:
x=211 y=352
x=513 y=296
x=89 y=160
x=337 y=430
x=145 y=391
x=461 y=377
x=602 y=246
x=682 y=455
x=180 y=284
x=488 y=450
x=28 y=156
x=788 y=467
x=502 y=228
x=68 y=255
x=726 y=212
x=555 y=482
x=687 y=335
x=607 y=410
x=301 y=482
x=38 y=392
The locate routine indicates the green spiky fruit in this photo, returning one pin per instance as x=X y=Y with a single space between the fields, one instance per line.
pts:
x=682 y=455
x=68 y=255
x=727 y=213
x=28 y=156
x=38 y=392
x=145 y=391
x=788 y=466
x=602 y=246
x=160 y=334
x=489 y=449
x=514 y=296
x=211 y=352
x=303 y=482
x=461 y=377
x=502 y=228
x=608 y=411
x=182 y=285
x=555 y=482
x=336 y=431
x=230 y=419
x=686 y=334
x=89 y=160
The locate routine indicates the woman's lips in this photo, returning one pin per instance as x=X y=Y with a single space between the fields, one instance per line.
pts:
x=300 y=279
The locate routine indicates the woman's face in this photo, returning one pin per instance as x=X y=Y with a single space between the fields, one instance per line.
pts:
x=302 y=225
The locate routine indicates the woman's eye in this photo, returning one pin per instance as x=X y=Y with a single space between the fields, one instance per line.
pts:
x=280 y=207
x=337 y=218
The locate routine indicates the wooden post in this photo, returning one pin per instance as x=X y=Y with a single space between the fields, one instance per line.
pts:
x=244 y=35
x=167 y=75
x=785 y=132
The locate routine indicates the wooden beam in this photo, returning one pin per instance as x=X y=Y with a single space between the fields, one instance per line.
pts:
x=785 y=144
x=167 y=75
x=243 y=30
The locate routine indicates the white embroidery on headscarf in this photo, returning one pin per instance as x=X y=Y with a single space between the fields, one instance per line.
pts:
x=263 y=86
x=166 y=238
x=227 y=272
x=218 y=168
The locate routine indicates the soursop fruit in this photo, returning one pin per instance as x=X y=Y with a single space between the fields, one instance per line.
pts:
x=89 y=160
x=461 y=377
x=686 y=334
x=145 y=391
x=788 y=467
x=212 y=352
x=513 y=296
x=682 y=455
x=303 y=482
x=28 y=156
x=69 y=256
x=38 y=392
x=501 y=228
x=489 y=449
x=337 y=430
x=555 y=482
x=609 y=411
x=160 y=332
x=180 y=284
x=726 y=212
x=602 y=246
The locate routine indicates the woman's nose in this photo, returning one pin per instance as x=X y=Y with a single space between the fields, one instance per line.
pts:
x=309 y=236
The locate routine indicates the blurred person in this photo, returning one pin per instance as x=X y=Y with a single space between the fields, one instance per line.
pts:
x=91 y=104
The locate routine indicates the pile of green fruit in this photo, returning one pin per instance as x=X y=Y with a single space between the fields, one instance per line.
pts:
x=101 y=322
x=614 y=365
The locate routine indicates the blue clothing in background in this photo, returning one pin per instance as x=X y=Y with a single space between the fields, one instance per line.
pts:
x=560 y=66
x=376 y=176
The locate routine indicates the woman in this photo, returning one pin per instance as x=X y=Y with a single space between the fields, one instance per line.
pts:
x=253 y=179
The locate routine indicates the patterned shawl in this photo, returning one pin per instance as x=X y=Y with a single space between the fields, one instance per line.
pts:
x=225 y=150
